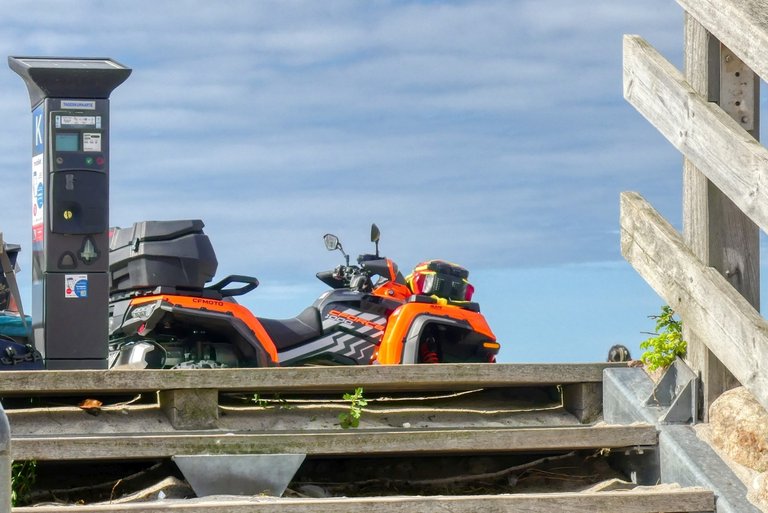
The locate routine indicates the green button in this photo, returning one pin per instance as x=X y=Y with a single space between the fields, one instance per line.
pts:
x=89 y=160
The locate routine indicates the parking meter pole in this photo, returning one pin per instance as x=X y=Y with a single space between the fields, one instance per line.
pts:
x=70 y=205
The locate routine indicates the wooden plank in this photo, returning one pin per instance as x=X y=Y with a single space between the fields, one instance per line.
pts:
x=6 y=461
x=742 y=25
x=584 y=401
x=651 y=500
x=190 y=409
x=717 y=232
x=347 y=442
x=527 y=408
x=374 y=378
x=732 y=329
x=728 y=155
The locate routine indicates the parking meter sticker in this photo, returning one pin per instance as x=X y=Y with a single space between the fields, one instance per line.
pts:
x=78 y=104
x=38 y=190
x=76 y=286
x=39 y=195
x=92 y=142
x=37 y=233
x=76 y=121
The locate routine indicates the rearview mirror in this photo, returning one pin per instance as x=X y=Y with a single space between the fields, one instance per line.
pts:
x=331 y=242
x=375 y=233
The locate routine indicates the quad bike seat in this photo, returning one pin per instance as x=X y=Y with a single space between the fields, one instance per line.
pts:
x=286 y=333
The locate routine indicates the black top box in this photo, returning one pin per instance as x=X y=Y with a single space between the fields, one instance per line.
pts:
x=154 y=254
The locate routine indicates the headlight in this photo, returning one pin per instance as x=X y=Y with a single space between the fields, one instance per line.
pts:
x=428 y=286
x=143 y=312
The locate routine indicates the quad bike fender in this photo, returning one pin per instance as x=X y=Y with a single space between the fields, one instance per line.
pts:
x=392 y=290
x=242 y=316
x=400 y=343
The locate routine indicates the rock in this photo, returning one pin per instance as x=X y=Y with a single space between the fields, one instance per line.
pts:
x=170 y=488
x=313 y=491
x=758 y=492
x=739 y=427
x=610 y=485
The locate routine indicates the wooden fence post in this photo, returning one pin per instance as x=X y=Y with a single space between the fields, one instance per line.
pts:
x=718 y=232
x=5 y=462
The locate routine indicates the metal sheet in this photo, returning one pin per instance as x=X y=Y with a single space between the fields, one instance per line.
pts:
x=239 y=474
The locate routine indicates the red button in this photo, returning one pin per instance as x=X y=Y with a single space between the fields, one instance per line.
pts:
x=100 y=161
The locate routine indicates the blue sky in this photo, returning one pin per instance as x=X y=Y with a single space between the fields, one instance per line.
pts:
x=489 y=133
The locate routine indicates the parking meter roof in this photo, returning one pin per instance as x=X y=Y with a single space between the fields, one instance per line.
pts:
x=67 y=77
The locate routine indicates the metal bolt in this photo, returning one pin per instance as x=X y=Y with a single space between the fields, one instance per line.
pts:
x=744 y=119
x=727 y=58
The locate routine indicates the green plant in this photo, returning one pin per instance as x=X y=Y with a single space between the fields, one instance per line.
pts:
x=260 y=401
x=351 y=418
x=667 y=343
x=23 y=476
x=264 y=402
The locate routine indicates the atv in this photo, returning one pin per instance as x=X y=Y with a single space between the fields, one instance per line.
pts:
x=162 y=315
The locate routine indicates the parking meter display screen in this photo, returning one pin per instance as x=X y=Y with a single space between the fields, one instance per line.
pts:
x=67 y=141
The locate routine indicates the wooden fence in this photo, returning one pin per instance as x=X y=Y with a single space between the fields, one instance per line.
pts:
x=710 y=274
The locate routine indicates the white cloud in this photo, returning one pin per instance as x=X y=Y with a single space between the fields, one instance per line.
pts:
x=492 y=132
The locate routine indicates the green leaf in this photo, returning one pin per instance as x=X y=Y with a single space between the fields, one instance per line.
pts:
x=356 y=402
x=667 y=344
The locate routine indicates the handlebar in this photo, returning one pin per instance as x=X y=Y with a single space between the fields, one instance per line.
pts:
x=358 y=276
x=367 y=257
x=343 y=276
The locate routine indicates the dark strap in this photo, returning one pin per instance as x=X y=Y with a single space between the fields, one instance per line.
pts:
x=10 y=276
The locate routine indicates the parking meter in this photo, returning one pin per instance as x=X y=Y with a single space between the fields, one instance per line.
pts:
x=70 y=205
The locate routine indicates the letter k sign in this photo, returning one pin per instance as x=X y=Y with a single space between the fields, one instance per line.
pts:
x=38 y=130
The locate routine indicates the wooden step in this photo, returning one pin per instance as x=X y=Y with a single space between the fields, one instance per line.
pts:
x=375 y=378
x=462 y=410
x=336 y=442
x=648 y=500
x=242 y=412
x=190 y=397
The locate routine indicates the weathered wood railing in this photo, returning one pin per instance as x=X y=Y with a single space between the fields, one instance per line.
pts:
x=710 y=275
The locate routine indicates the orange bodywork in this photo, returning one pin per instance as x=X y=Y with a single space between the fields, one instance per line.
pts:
x=215 y=305
x=391 y=349
x=393 y=290
x=390 y=288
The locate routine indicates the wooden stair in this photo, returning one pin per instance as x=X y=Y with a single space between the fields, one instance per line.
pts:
x=444 y=414
x=652 y=500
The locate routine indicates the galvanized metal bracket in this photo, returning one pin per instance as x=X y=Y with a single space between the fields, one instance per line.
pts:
x=624 y=394
x=738 y=89
x=678 y=392
x=688 y=461
x=239 y=474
